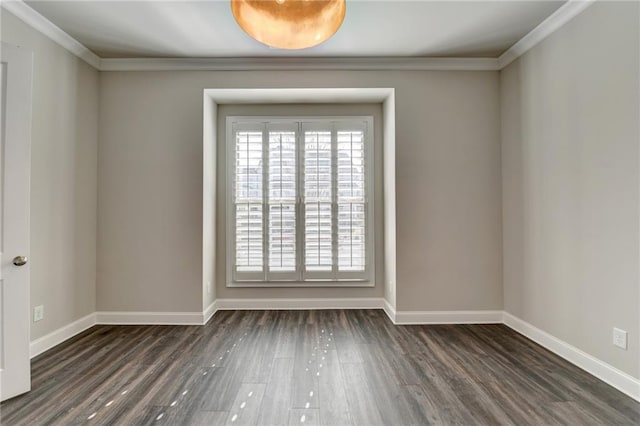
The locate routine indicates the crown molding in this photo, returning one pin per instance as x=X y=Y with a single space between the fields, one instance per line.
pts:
x=38 y=22
x=300 y=64
x=555 y=21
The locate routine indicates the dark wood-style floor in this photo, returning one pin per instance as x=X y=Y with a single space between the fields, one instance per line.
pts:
x=311 y=367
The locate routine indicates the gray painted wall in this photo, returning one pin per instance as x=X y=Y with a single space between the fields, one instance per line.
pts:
x=571 y=183
x=64 y=143
x=449 y=247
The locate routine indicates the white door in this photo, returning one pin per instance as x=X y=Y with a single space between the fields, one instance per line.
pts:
x=15 y=141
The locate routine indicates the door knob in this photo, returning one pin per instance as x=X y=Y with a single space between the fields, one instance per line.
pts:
x=20 y=260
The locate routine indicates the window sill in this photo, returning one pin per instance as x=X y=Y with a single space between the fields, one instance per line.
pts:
x=300 y=284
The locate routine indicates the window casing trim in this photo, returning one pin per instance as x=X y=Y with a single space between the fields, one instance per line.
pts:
x=301 y=278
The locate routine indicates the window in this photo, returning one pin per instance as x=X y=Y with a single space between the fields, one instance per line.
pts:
x=299 y=204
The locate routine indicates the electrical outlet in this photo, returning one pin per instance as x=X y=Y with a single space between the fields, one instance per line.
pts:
x=38 y=313
x=620 y=338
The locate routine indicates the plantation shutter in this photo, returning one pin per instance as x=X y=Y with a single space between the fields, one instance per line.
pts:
x=248 y=181
x=318 y=200
x=282 y=203
x=351 y=200
x=299 y=201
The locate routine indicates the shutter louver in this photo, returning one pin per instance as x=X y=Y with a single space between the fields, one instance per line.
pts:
x=318 y=197
x=351 y=201
x=248 y=202
x=282 y=202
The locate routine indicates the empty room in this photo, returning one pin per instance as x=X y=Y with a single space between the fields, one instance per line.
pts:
x=320 y=212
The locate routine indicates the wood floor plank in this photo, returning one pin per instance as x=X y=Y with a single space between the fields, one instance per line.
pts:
x=332 y=400
x=520 y=408
x=222 y=386
x=478 y=403
x=345 y=340
x=264 y=349
x=285 y=335
x=308 y=354
x=332 y=395
x=420 y=410
x=362 y=402
x=588 y=401
x=149 y=416
x=397 y=403
x=451 y=409
x=276 y=401
x=246 y=406
x=382 y=384
x=208 y=418
x=337 y=367
x=571 y=413
x=184 y=399
x=304 y=417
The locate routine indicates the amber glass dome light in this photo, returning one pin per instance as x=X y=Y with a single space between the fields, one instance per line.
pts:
x=289 y=24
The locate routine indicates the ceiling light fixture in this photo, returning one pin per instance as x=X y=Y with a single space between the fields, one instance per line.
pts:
x=289 y=24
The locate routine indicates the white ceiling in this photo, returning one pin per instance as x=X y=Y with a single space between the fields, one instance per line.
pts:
x=125 y=29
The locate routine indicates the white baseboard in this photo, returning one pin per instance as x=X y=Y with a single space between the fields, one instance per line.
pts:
x=390 y=311
x=208 y=313
x=600 y=369
x=296 y=304
x=44 y=343
x=150 y=318
x=58 y=336
x=447 y=317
